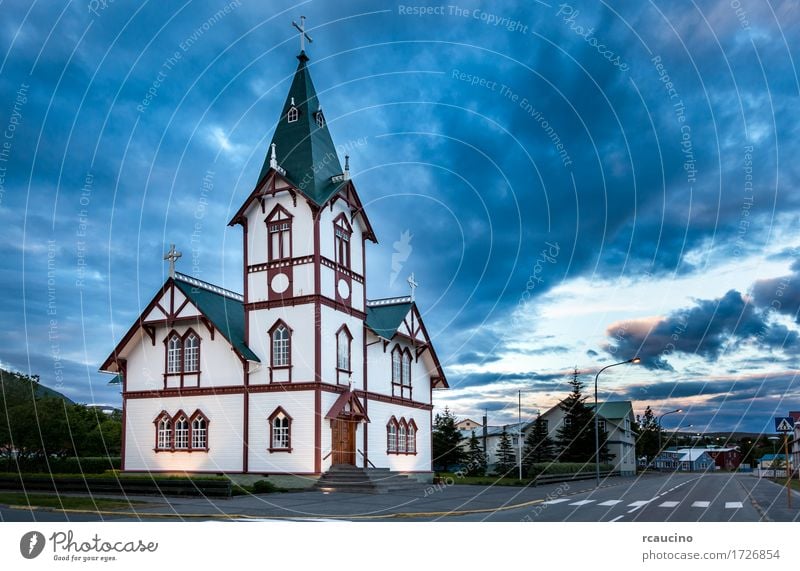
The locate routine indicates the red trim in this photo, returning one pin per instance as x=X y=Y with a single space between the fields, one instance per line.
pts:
x=161 y=416
x=270 y=223
x=198 y=414
x=392 y=423
x=303 y=299
x=122 y=365
x=278 y=411
x=317 y=345
x=245 y=280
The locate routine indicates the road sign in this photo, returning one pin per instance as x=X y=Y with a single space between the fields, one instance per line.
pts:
x=784 y=424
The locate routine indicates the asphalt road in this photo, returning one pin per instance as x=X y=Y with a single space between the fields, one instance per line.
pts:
x=677 y=497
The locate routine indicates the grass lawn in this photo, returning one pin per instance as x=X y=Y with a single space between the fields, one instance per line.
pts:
x=63 y=502
x=451 y=478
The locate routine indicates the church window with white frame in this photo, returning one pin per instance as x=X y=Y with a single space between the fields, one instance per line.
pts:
x=320 y=118
x=341 y=240
x=182 y=433
x=343 y=339
x=280 y=346
x=391 y=436
x=164 y=434
x=292 y=114
x=411 y=438
x=174 y=355
x=199 y=432
x=280 y=431
x=279 y=235
x=191 y=354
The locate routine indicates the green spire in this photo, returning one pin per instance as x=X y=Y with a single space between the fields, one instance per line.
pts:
x=303 y=147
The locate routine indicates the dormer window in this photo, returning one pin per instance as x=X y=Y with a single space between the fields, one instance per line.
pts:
x=291 y=115
x=319 y=118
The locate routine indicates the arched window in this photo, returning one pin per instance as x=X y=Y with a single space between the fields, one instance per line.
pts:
x=411 y=438
x=291 y=115
x=343 y=339
x=280 y=346
x=396 y=366
x=164 y=432
x=406 y=388
x=279 y=234
x=199 y=431
x=181 y=433
x=280 y=428
x=174 y=355
x=401 y=437
x=391 y=436
x=320 y=118
x=191 y=354
x=341 y=240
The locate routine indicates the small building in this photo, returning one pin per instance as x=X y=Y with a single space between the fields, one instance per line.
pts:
x=667 y=460
x=772 y=466
x=493 y=436
x=616 y=419
x=725 y=458
x=695 y=460
x=468 y=424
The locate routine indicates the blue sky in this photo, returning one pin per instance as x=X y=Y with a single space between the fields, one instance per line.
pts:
x=579 y=183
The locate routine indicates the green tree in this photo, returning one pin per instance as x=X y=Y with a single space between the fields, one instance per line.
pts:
x=476 y=459
x=575 y=436
x=506 y=459
x=447 y=451
x=539 y=447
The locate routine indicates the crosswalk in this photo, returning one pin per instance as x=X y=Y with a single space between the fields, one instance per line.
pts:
x=667 y=504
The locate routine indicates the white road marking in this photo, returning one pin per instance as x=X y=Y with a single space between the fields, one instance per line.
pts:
x=619 y=517
x=701 y=504
x=639 y=503
x=610 y=503
x=558 y=501
x=668 y=504
x=582 y=502
x=733 y=505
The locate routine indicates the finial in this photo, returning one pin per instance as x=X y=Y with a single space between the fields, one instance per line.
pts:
x=292 y=101
x=346 y=172
x=273 y=161
x=172 y=256
x=303 y=36
x=412 y=284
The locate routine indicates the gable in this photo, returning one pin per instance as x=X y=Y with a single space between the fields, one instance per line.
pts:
x=186 y=300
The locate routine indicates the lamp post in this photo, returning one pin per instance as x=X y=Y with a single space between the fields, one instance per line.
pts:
x=597 y=419
x=659 y=426
x=519 y=431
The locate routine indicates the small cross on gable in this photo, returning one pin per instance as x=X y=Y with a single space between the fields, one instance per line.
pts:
x=172 y=256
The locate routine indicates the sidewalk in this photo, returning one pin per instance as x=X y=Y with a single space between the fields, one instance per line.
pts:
x=770 y=499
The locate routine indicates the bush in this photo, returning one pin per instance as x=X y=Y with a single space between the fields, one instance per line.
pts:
x=265 y=487
x=553 y=468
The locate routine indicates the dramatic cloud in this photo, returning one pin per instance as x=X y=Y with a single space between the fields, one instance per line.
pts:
x=707 y=329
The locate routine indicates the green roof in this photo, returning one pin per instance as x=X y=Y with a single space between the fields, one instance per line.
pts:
x=225 y=310
x=385 y=318
x=614 y=409
x=302 y=148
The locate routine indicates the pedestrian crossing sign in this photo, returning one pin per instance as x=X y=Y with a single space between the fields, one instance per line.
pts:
x=784 y=424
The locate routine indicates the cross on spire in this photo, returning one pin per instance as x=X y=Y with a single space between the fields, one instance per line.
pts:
x=412 y=283
x=172 y=256
x=302 y=29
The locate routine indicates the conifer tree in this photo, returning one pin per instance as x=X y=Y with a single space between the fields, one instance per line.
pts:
x=506 y=459
x=476 y=459
x=539 y=447
x=447 y=451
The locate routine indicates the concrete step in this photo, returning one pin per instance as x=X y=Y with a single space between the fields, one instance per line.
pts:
x=345 y=478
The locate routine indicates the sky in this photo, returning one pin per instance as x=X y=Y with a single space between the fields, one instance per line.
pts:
x=572 y=184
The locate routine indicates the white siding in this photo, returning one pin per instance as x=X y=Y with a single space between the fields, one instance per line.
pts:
x=300 y=320
x=224 y=413
x=300 y=406
x=379 y=415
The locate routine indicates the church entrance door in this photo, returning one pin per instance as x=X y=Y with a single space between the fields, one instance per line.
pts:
x=343 y=441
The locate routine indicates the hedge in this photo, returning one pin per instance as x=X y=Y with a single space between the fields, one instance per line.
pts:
x=115 y=484
x=559 y=468
x=70 y=465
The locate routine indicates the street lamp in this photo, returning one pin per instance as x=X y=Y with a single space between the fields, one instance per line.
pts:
x=519 y=431
x=597 y=419
x=659 y=425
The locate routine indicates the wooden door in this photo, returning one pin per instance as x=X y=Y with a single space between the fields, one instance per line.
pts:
x=343 y=441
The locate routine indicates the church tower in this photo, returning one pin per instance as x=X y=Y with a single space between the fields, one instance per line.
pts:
x=304 y=236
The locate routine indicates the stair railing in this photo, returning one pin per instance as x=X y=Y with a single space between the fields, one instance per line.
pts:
x=367 y=459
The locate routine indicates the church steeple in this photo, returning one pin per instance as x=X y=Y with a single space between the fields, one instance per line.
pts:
x=302 y=145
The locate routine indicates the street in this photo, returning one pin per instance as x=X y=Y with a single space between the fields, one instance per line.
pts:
x=679 y=497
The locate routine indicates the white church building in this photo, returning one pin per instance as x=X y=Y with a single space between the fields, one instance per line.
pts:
x=301 y=371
